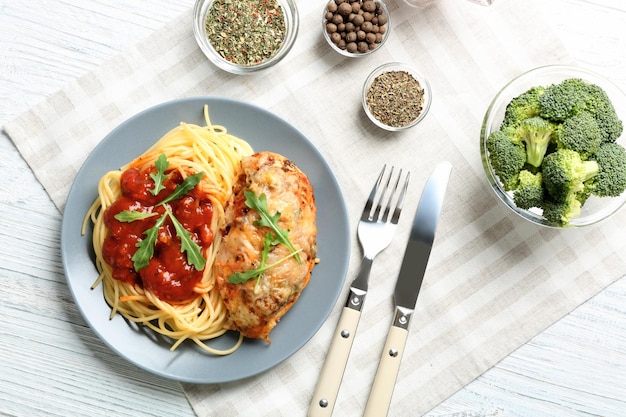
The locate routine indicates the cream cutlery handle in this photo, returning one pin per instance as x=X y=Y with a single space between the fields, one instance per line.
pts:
x=330 y=378
x=385 y=379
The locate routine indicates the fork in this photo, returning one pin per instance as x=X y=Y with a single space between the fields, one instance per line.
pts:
x=375 y=231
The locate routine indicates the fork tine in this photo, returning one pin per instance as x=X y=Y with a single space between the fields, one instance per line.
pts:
x=385 y=216
x=398 y=209
x=387 y=192
x=365 y=216
x=381 y=197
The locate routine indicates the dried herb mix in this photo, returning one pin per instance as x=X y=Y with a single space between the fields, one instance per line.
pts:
x=246 y=32
x=395 y=98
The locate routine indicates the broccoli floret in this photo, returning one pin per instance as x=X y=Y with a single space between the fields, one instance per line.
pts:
x=598 y=103
x=564 y=174
x=507 y=157
x=588 y=188
x=610 y=125
x=561 y=212
x=530 y=191
x=522 y=107
x=536 y=134
x=579 y=133
x=574 y=96
x=611 y=178
x=563 y=100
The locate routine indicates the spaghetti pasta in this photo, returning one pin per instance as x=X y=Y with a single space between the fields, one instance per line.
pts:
x=189 y=149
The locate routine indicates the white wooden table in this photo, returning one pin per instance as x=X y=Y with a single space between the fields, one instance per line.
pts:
x=53 y=364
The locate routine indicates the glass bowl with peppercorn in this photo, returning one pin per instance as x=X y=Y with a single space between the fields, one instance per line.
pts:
x=245 y=36
x=355 y=28
x=396 y=96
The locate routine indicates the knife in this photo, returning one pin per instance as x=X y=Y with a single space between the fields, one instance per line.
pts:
x=407 y=288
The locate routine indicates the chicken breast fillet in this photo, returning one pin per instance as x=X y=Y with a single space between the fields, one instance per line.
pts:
x=257 y=305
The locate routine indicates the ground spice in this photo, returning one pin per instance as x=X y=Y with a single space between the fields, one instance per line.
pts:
x=395 y=98
x=246 y=32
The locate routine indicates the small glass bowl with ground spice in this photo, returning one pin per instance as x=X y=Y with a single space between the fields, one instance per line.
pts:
x=355 y=28
x=244 y=36
x=396 y=96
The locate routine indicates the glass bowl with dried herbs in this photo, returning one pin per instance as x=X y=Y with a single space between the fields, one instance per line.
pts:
x=245 y=36
x=355 y=28
x=396 y=96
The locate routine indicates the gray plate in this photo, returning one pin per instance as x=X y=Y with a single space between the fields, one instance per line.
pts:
x=188 y=363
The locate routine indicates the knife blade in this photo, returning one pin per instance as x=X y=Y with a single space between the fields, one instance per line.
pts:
x=407 y=288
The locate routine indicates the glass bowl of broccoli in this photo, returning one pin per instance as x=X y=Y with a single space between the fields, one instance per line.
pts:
x=553 y=146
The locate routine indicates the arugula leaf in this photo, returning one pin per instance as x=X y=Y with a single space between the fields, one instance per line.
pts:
x=259 y=203
x=160 y=176
x=241 y=277
x=128 y=216
x=142 y=256
x=193 y=250
x=183 y=188
x=268 y=242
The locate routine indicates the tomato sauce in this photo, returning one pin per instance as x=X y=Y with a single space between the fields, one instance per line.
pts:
x=168 y=275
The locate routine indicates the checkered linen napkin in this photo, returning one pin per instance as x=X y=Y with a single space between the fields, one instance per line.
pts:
x=493 y=282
